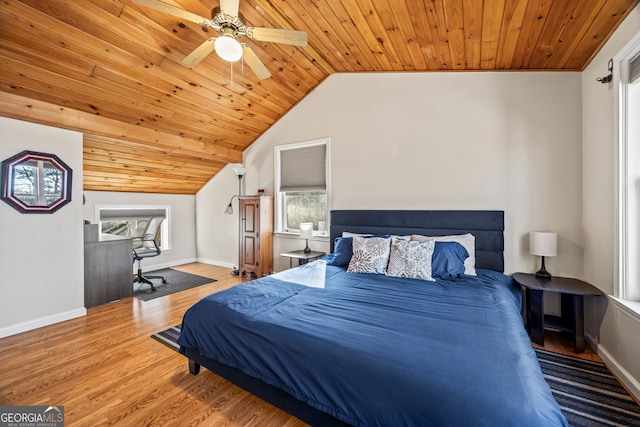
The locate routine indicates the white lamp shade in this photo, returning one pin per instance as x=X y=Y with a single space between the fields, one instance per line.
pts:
x=543 y=243
x=239 y=170
x=306 y=230
x=228 y=48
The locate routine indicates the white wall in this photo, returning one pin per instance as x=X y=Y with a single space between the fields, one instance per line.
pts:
x=616 y=332
x=508 y=141
x=217 y=232
x=182 y=222
x=41 y=255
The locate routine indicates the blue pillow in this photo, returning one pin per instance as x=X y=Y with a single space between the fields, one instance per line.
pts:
x=448 y=260
x=342 y=252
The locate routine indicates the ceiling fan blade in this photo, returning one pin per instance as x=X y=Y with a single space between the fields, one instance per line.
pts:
x=199 y=53
x=278 y=35
x=254 y=62
x=230 y=7
x=173 y=10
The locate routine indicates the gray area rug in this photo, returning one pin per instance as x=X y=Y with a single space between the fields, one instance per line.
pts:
x=176 y=281
x=588 y=394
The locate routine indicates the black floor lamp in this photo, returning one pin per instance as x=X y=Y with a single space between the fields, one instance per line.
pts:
x=239 y=171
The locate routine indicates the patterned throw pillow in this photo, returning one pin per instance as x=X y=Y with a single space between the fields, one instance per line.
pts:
x=370 y=255
x=411 y=259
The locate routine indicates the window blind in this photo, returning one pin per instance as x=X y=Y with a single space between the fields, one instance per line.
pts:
x=128 y=213
x=634 y=69
x=304 y=168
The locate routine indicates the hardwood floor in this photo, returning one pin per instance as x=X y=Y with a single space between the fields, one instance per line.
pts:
x=562 y=343
x=106 y=370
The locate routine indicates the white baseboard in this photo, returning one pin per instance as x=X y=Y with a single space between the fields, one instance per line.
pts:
x=215 y=262
x=41 y=322
x=632 y=385
x=148 y=268
x=591 y=340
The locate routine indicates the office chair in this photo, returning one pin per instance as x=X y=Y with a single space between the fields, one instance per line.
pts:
x=146 y=246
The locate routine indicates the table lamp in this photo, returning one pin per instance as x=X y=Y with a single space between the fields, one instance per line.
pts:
x=306 y=232
x=543 y=244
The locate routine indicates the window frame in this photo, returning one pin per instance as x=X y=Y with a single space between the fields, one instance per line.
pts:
x=625 y=286
x=165 y=228
x=36 y=161
x=279 y=210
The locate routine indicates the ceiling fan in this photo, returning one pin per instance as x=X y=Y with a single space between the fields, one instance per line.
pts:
x=228 y=23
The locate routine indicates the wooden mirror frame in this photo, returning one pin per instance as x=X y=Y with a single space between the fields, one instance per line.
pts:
x=43 y=203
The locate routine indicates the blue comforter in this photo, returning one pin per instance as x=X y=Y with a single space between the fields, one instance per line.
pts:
x=382 y=351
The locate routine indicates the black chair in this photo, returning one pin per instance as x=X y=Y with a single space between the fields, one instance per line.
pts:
x=146 y=246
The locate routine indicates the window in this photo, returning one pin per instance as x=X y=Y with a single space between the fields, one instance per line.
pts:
x=35 y=182
x=628 y=230
x=131 y=221
x=302 y=184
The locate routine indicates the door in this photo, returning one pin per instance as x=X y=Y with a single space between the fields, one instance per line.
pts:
x=250 y=243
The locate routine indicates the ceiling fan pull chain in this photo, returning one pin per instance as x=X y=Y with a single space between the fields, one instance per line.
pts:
x=231 y=65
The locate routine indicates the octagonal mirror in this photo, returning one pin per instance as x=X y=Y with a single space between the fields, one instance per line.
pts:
x=35 y=182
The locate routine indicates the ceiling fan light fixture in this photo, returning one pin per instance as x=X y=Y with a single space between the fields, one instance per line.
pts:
x=228 y=48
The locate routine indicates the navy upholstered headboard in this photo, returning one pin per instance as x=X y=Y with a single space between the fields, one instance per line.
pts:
x=486 y=226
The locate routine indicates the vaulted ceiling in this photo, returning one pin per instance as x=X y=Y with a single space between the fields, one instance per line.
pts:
x=112 y=69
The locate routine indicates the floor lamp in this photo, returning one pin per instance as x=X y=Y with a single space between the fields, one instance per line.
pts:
x=239 y=171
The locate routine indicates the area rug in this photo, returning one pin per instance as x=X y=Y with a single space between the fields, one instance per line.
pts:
x=588 y=394
x=169 y=337
x=176 y=281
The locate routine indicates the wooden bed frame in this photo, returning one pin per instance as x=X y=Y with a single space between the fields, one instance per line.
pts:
x=486 y=226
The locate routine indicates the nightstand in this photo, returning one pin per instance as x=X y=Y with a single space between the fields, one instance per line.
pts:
x=302 y=256
x=572 y=292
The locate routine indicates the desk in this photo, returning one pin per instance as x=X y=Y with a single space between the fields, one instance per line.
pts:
x=302 y=256
x=108 y=267
x=572 y=292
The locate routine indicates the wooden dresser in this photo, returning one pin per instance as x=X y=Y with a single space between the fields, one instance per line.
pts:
x=256 y=235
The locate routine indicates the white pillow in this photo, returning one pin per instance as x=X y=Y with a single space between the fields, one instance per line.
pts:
x=467 y=240
x=411 y=259
x=349 y=234
x=370 y=255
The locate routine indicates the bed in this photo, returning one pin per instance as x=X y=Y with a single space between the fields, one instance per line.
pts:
x=336 y=347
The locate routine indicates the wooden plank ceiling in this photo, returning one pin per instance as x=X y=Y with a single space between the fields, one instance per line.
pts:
x=111 y=69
